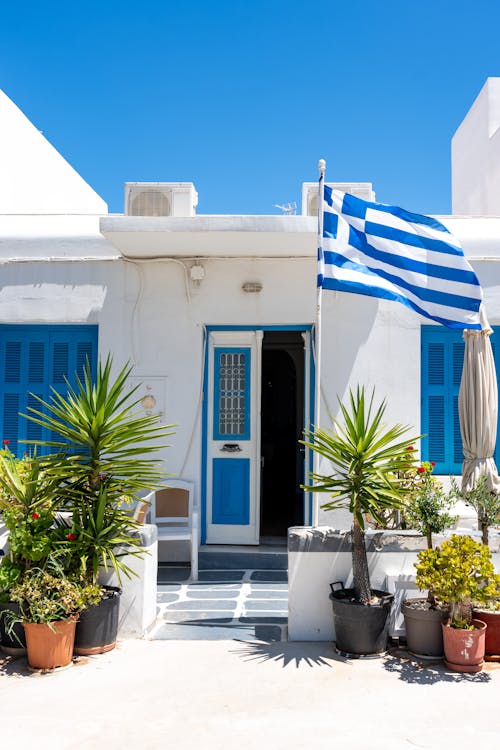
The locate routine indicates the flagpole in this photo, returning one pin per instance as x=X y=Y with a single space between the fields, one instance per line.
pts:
x=317 y=338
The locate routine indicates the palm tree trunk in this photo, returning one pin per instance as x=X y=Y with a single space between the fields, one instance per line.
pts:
x=360 y=574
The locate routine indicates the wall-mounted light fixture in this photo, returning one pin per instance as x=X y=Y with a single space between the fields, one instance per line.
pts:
x=252 y=287
x=197 y=274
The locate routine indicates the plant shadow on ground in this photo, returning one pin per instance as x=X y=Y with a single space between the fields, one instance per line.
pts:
x=17 y=666
x=314 y=654
x=11 y=666
x=426 y=672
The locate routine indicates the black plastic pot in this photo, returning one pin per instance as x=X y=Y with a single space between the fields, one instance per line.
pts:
x=97 y=627
x=360 y=630
x=12 y=640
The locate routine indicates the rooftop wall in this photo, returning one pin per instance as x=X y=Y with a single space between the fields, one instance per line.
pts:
x=475 y=156
x=35 y=178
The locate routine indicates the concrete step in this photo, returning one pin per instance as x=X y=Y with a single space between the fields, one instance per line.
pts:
x=226 y=604
x=225 y=557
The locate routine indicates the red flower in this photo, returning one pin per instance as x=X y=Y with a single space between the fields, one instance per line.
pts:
x=35 y=516
x=5 y=442
x=433 y=463
x=421 y=469
x=410 y=448
x=70 y=537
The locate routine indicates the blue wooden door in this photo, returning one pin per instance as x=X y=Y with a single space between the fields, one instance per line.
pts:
x=233 y=440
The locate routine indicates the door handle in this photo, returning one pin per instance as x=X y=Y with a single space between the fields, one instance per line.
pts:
x=231 y=448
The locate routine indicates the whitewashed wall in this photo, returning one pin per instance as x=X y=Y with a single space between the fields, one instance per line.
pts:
x=475 y=155
x=150 y=313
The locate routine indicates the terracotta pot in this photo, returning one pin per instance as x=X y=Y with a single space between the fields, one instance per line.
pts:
x=424 y=634
x=492 y=620
x=50 y=648
x=464 y=649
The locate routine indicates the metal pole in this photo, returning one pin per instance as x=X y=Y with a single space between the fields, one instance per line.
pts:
x=317 y=337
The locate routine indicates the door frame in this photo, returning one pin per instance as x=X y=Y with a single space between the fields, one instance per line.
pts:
x=309 y=395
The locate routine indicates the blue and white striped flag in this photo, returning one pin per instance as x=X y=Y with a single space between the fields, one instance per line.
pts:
x=385 y=251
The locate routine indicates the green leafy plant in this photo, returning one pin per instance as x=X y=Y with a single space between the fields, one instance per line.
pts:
x=46 y=596
x=25 y=485
x=427 y=506
x=28 y=503
x=107 y=446
x=365 y=457
x=485 y=503
x=458 y=572
x=10 y=574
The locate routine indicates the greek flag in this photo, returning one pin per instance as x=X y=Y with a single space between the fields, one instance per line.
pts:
x=385 y=251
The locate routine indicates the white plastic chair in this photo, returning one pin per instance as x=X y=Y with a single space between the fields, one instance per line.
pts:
x=172 y=509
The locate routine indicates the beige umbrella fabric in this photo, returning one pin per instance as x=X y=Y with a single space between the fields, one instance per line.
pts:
x=478 y=408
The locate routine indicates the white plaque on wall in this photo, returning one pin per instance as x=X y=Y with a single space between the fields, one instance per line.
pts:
x=151 y=394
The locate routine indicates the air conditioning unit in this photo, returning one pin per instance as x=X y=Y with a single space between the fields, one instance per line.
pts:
x=160 y=199
x=310 y=194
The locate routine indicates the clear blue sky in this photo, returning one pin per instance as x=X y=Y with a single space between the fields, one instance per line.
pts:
x=243 y=98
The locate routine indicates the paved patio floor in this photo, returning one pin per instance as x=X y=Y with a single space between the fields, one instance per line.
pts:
x=249 y=695
x=217 y=671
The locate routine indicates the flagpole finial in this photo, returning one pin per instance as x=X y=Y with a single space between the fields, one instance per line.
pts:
x=321 y=167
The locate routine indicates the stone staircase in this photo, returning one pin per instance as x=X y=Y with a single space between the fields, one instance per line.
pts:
x=242 y=593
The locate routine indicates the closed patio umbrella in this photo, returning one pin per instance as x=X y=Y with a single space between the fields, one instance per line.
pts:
x=478 y=408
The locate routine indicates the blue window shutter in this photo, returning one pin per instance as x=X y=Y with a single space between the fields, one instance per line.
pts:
x=11 y=420
x=36 y=363
x=60 y=363
x=457 y=351
x=458 y=453
x=33 y=430
x=496 y=349
x=442 y=353
x=436 y=366
x=441 y=358
x=12 y=362
x=436 y=428
x=33 y=361
x=84 y=354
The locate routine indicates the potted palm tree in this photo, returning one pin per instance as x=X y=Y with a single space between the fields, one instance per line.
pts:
x=108 y=447
x=365 y=458
x=459 y=572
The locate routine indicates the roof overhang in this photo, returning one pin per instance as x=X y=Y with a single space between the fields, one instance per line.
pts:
x=212 y=236
x=261 y=236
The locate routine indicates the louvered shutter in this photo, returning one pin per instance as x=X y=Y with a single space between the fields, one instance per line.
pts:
x=442 y=353
x=33 y=361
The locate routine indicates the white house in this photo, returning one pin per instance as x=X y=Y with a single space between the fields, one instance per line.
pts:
x=216 y=314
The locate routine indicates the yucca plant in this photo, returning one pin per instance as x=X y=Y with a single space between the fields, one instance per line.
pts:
x=365 y=457
x=107 y=446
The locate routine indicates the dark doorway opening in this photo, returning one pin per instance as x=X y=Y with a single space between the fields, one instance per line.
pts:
x=282 y=424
